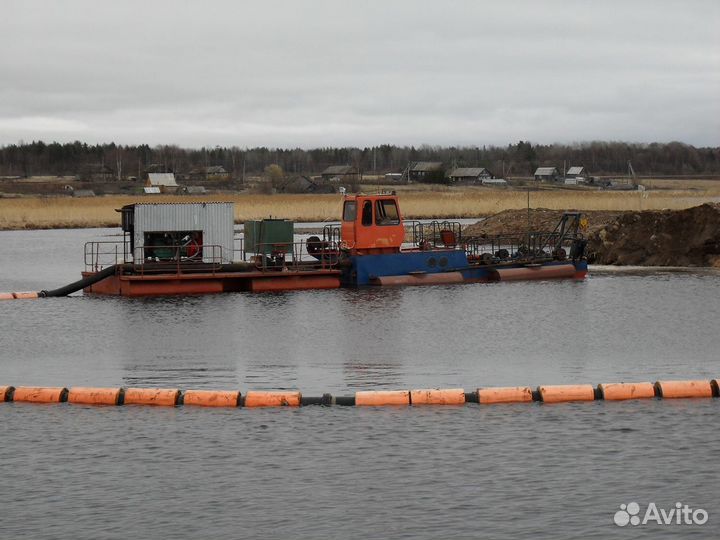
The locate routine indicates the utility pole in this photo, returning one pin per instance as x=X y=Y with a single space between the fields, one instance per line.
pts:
x=528 y=219
x=118 y=161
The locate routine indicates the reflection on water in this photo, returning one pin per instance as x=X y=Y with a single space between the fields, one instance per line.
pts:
x=522 y=471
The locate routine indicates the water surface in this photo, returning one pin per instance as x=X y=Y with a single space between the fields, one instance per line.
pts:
x=507 y=471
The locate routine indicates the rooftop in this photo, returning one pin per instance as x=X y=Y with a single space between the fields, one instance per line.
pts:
x=469 y=171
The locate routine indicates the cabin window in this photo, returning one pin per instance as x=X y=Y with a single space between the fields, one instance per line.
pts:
x=350 y=211
x=386 y=212
x=367 y=213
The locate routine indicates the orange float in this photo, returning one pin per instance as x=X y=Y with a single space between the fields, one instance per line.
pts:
x=566 y=392
x=165 y=397
x=621 y=391
x=5 y=392
x=272 y=399
x=82 y=395
x=447 y=396
x=684 y=389
x=6 y=296
x=38 y=394
x=504 y=394
x=211 y=398
x=25 y=295
x=369 y=398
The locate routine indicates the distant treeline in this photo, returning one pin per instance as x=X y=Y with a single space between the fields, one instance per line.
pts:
x=521 y=159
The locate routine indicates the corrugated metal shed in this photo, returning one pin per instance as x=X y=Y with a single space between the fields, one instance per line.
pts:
x=576 y=171
x=215 y=220
x=427 y=166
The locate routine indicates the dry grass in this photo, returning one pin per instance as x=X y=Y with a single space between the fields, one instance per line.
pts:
x=61 y=212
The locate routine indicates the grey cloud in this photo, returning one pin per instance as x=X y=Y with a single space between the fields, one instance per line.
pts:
x=327 y=73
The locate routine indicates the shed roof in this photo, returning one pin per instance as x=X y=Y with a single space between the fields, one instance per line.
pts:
x=340 y=169
x=546 y=171
x=576 y=170
x=162 y=179
x=463 y=172
x=426 y=166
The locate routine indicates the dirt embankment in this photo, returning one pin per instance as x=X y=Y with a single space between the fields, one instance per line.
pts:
x=515 y=222
x=652 y=238
x=661 y=238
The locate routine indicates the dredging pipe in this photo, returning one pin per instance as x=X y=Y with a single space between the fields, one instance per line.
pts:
x=81 y=283
x=67 y=289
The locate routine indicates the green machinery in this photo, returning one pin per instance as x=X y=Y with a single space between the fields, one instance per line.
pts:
x=269 y=236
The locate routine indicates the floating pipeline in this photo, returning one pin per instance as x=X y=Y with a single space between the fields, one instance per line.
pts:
x=19 y=295
x=67 y=289
x=173 y=397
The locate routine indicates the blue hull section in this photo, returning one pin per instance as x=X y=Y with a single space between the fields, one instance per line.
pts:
x=364 y=269
x=367 y=267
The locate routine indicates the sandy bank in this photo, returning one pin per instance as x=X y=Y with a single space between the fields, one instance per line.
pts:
x=688 y=237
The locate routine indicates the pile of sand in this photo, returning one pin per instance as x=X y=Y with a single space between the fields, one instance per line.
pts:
x=515 y=222
x=660 y=238
x=652 y=238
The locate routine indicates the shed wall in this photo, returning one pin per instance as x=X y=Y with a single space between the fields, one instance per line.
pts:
x=215 y=220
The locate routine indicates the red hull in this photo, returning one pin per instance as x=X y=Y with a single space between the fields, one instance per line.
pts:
x=212 y=283
x=535 y=272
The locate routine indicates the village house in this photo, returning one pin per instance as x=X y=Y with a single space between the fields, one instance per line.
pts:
x=96 y=171
x=212 y=172
x=341 y=173
x=576 y=172
x=161 y=183
x=470 y=175
x=425 y=170
x=546 y=174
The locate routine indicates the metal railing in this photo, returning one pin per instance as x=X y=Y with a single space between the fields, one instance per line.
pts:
x=99 y=255
x=535 y=246
x=153 y=258
x=184 y=258
x=435 y=234
x=332 y=233
x=295 y=256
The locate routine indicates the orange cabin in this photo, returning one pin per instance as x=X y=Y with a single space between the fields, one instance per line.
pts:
x=372 y=224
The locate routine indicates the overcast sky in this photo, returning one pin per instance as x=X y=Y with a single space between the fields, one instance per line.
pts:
x=332 y=73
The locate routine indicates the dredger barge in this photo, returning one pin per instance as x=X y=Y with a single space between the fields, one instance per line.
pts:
x=191 y=248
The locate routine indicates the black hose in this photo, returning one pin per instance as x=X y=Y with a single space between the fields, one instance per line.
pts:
x=82 y=283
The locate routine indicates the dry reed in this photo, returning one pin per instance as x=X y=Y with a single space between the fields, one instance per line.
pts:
x=61 y=212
